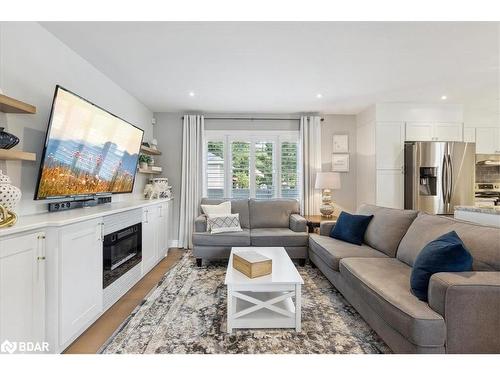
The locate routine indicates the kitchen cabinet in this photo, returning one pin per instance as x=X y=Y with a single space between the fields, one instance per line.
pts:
x=470 y=135
x=390 y=188
x=487 y=140
x=80 y=278
x=390 y=138
x=434 y=131
x=150 y=238
x=22 y=288
x=163 y=229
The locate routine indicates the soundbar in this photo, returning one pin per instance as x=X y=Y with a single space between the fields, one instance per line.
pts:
x=69 y=205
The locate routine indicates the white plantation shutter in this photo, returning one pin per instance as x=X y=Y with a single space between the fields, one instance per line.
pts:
x=289 y=183
x=249 y=164
x=264 y=168
x=240 y=169
x=215 y=179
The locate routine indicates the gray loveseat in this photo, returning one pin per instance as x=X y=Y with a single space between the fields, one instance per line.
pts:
x=463 y=312
x=267 y=223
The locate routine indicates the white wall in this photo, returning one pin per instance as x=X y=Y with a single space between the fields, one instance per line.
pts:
x=32 y=62
x=365 y=157
x=345 y=197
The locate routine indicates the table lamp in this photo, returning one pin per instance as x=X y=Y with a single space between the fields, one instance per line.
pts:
x=327 y=181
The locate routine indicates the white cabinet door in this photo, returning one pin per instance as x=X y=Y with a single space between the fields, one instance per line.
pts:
x=448 y=132
x=22 y=288
x=390 y=145
x=161 y=230
x=149 y=238
x=419 y=131
x=390 y=188
x=470 y=135
x=487 y=140
x=80 y=277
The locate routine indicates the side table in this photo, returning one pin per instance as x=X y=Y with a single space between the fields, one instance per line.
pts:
x=314 y=221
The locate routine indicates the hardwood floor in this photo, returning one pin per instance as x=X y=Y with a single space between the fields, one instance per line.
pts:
x=96 y=335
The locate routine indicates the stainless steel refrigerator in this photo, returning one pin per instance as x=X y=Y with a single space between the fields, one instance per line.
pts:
x=439 y=176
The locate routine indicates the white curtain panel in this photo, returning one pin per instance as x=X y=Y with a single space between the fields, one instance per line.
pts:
x=310 y=155
x=192 y=176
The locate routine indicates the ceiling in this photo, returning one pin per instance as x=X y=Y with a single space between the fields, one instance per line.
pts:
x=281 y=67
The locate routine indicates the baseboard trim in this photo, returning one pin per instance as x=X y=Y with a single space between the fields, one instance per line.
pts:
x=173 y=243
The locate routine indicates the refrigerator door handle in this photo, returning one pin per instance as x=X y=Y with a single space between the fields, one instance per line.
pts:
x=450 y=178
x=444 y=179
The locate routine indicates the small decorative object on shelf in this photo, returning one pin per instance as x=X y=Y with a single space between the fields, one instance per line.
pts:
x=154 y=144
x=7 y=140
x=252 y=264
x=148 y=191
x=144 y=161
x=10 y=196
x=151 y=161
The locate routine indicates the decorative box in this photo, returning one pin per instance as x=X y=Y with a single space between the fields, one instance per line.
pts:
x=252 y=264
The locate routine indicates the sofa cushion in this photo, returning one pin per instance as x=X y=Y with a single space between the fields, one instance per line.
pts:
x=222 y=239
x=272 y=213
x=238 y=206
x=277 y=237
x=446 y=253
x=387 y=227
x=384 y=284
x=332 y=251
x=351 y=228
x=483 y=242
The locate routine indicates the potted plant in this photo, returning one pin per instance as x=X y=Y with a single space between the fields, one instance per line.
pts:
x=143 y=161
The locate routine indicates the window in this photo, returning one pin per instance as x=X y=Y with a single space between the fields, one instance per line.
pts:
x=215 y=169
x=244 y=164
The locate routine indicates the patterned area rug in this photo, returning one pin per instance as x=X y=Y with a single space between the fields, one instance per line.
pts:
x=186 y=313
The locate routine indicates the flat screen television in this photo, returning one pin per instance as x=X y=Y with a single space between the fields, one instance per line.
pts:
x=88 y=150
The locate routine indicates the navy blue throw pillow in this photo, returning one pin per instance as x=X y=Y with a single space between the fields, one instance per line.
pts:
x=351 y=228
x=445 y=254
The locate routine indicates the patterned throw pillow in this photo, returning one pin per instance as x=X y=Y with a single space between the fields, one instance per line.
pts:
x=224 y=223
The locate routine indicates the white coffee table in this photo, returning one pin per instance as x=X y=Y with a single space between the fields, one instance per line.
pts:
x=271 y=301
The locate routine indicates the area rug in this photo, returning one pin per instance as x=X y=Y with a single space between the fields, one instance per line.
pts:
x=186 y=313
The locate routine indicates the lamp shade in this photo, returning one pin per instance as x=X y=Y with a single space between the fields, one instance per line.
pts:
x=327 y=180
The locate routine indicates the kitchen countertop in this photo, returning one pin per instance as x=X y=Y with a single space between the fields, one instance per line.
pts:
x=491 y=210
x=56 y=219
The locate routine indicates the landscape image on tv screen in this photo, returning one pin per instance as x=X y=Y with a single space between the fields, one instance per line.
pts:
x=88 y=150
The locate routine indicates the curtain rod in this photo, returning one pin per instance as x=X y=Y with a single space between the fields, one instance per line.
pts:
x=253 y=118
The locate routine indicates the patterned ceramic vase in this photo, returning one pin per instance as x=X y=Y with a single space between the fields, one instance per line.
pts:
x=7 y=140
x=9 y=194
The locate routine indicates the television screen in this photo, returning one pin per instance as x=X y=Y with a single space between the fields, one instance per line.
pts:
x=87 y=150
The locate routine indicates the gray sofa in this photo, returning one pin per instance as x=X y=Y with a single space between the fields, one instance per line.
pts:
x=463 y=312
x=273 y=222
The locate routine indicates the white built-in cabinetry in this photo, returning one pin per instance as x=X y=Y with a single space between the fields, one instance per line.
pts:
x=434 y=131
x=57 y=306
x=22 y=288
x=80 y=277
x=389 y=161
x=488 y=140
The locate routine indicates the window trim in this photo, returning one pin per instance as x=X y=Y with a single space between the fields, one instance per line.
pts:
x=275 y=136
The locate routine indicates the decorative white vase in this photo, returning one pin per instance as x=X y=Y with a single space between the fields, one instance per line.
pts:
x=10 y=195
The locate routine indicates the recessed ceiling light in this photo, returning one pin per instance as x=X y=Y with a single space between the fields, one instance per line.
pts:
x=191 y=94
x=444 y=97
x=319 y=96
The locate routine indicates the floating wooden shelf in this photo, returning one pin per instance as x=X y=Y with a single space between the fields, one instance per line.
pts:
x=16 y=155
x=11 y=105
x=149 y=151
x=149 y=171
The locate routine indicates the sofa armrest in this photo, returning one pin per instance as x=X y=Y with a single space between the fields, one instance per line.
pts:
x=298 y=223
x=470 y=305
x=325 y=227
x=200 y=224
